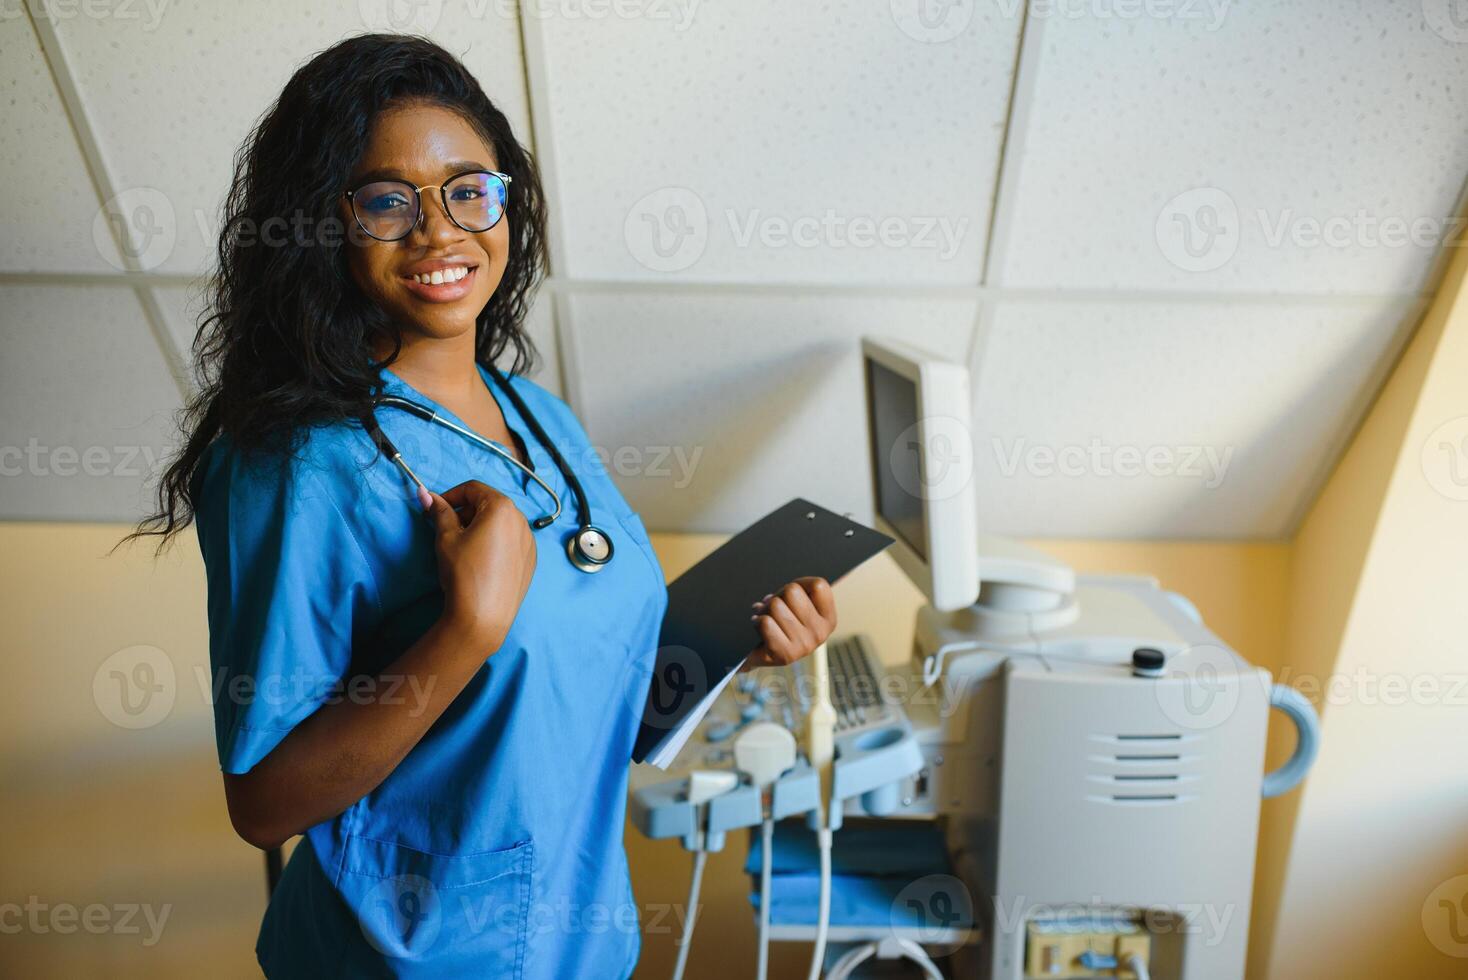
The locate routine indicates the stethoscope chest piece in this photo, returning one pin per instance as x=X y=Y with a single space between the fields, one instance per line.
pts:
x=589 y=548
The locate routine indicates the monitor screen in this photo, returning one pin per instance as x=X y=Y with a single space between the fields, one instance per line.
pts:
x=896 y=454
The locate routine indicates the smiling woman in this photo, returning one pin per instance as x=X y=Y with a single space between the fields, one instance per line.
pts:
x=442 y=831
x=417 y=147
x=372 y=107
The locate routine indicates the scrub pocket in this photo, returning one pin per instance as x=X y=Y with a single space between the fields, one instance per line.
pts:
x=437 y=915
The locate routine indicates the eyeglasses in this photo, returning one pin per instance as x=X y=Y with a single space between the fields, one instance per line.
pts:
x=388 y=210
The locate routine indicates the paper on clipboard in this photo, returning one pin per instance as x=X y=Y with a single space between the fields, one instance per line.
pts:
x=668 y=748
x=706 y=633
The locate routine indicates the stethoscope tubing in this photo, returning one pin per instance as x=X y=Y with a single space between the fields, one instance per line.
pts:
x=589 y=549
x=429 y=415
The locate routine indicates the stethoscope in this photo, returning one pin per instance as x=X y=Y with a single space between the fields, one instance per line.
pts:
x=590 y=548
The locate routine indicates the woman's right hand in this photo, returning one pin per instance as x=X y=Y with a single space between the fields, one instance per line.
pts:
x=348 y=746
x=486 y=557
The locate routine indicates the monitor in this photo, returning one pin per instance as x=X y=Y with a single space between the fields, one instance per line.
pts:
x=921 y=453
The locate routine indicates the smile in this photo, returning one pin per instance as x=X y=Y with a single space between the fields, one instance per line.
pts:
x=442 y=285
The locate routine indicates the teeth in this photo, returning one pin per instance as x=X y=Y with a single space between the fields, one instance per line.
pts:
x=440 y=276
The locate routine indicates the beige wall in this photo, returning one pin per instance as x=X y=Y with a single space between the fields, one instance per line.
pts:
x=1380 y=577
x=98 y=814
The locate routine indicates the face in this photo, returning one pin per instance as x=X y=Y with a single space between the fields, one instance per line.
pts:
x=426 y=145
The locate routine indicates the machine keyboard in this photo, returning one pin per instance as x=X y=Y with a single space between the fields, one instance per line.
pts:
x=856 y=691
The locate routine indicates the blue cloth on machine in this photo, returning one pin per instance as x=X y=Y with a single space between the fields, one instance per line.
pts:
x=871 y=867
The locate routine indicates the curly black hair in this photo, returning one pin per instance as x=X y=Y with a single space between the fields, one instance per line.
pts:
x=286 y=339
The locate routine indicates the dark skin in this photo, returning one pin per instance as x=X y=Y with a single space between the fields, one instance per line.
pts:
x=486 y=551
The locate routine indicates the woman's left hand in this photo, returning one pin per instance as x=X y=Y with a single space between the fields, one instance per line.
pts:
x=793 y=622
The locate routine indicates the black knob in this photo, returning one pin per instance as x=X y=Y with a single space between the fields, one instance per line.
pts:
x=1148 y=662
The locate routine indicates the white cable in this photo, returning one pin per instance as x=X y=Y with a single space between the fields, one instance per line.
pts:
x=1138 y=966
x=699 y=856
x=820 y=731
x=820 y=728
x=920 y=956
x=857 y=955
x=766 y=863
x=765 y=752
x=823 y=915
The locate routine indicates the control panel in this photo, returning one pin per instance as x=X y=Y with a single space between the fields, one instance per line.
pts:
x=878 y=759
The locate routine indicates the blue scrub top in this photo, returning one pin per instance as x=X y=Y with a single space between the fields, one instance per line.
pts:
x=495 y=847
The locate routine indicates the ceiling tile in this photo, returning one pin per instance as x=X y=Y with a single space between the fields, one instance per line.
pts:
x=775 y=142
x=51 y=212
x=1296 y=147
x=1170 y=419
x=86 y=405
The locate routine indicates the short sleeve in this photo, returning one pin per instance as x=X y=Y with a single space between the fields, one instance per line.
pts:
x=289 y=587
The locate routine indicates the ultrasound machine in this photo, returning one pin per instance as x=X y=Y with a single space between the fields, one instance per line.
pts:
x=1061 y=781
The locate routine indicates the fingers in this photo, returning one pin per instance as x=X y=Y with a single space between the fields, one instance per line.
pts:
x=791 y=610
x=442 y=514
x=775 y=648
x=794 y=622
x=471 y=493
x=822 y=596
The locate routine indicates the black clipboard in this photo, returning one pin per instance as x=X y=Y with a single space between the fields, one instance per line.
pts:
x=707 y=633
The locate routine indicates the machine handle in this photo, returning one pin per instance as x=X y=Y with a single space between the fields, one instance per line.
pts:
x=1307 y=740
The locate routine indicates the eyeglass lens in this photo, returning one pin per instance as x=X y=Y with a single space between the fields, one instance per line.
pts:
x=388 y=209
